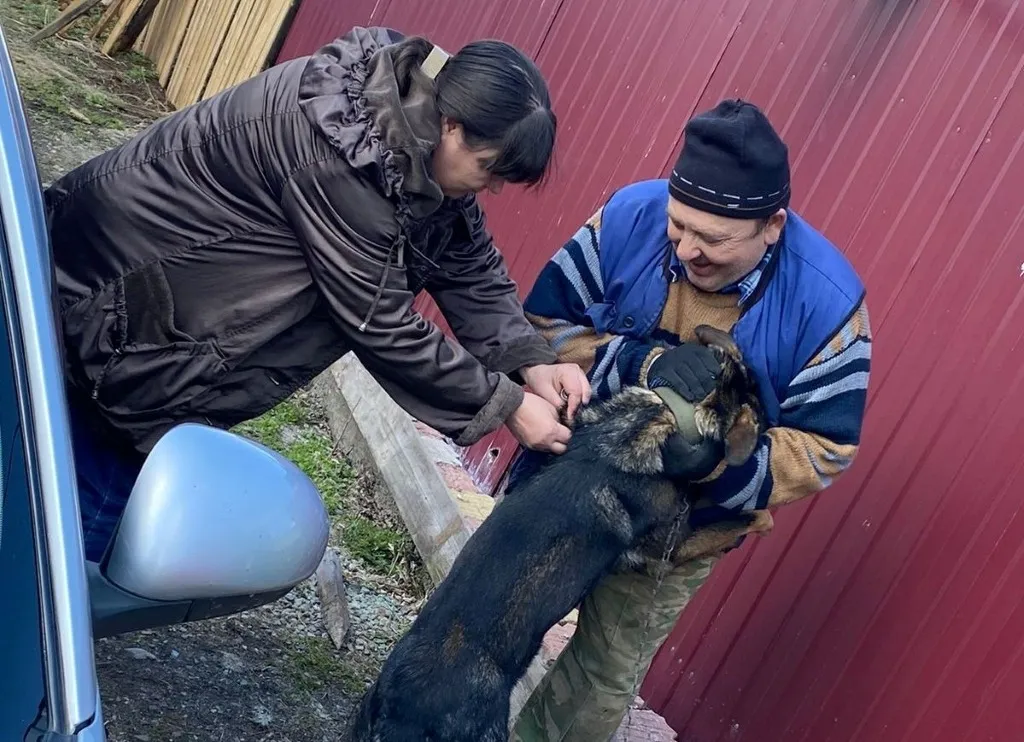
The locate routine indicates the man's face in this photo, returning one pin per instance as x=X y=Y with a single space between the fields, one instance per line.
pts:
x=716 y=250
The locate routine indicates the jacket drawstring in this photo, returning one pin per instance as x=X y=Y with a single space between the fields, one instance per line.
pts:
x=383 y=281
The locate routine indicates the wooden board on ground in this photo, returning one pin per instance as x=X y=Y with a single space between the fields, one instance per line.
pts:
x=133 y=18
x=108 y=17
x=72 y=13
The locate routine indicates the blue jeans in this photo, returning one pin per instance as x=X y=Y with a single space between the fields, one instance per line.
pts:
x=105 y=480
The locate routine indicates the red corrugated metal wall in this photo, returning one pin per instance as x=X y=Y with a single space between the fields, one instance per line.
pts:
x=890 y=608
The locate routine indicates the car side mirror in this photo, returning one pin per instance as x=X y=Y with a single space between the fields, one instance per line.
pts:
x=215 y=523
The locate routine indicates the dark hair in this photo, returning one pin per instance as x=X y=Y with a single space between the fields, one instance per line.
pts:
x=501 y=100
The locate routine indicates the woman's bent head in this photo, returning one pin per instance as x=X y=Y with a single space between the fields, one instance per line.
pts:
x=497 y=125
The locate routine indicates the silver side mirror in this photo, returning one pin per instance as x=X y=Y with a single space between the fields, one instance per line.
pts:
x=214 y=515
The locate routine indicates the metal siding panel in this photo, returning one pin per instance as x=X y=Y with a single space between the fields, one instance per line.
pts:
x=883 y=617
x=318 y=22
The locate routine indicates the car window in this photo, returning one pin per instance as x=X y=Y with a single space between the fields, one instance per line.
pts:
x=22 y=678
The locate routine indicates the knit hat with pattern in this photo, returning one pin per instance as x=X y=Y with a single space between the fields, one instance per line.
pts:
x=733 y=163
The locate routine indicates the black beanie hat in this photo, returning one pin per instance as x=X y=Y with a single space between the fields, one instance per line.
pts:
x=733 y=163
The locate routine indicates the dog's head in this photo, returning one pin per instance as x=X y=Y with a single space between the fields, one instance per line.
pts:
x=629 y=429
x=732 y=412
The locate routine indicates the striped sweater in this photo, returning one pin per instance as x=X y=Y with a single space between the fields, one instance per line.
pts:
x=819 y=427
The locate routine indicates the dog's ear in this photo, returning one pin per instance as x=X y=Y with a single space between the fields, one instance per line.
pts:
x=715 y=338
x=742 y=438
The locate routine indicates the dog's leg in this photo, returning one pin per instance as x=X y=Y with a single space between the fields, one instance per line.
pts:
x=719 y=537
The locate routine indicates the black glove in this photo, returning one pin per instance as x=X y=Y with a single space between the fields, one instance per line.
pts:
x=685 y=461
x=691 y=370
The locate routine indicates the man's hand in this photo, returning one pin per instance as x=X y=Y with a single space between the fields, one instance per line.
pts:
x=691 y=370
x=535 y=424
x=560 y=383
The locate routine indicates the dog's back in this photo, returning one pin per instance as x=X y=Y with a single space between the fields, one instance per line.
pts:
x=532 y=560
x=541 y=551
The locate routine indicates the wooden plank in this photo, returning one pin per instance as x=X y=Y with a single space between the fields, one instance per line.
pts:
x=237 y=37
x=199 y=50
x=289 y=10
x=397 y=454
x=242 y=69
x=154 y=36
x=174 y=24
x=207 y=49
x=281 y=12
x=72 y=13
x=184 y=70
x=261 y=30
x=133 y=19
x=106 y=19
x=136 y=26
x=330 y=588
x=256 y=59
x=127 y=9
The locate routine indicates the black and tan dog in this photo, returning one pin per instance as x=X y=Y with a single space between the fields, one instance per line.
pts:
x=605 y=504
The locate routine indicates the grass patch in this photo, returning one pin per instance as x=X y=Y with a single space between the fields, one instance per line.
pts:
x=289 y=429
x=292 y=429
x=60 y=98
x=313 y=664
x=35 y=13
x=380 y=549
x=139 y=69
x=67 y=82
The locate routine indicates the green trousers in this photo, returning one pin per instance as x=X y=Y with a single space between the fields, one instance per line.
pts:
x=585 y=695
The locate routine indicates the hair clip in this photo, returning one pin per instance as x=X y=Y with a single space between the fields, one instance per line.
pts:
x=434 y=62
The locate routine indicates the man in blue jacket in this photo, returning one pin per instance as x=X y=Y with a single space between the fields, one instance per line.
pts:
x=717 y=244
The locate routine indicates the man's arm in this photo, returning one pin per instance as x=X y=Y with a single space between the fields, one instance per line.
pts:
x=819 y=431
x=569 y=284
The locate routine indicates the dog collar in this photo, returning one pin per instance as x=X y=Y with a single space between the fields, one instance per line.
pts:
x=683 y=412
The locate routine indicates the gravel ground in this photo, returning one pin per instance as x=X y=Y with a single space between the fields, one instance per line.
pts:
x=271 y=674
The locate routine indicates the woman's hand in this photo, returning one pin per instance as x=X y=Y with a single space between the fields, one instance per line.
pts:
x=559 y=383
x=536 y=425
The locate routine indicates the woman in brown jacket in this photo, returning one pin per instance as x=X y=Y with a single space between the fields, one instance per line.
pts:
x=230 y=252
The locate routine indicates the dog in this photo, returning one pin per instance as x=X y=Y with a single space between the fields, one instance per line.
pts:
x=604 y=505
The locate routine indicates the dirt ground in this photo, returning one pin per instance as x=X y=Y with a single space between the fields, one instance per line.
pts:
x=272 y=674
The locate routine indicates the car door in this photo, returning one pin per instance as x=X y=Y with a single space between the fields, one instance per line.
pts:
x=48 y=689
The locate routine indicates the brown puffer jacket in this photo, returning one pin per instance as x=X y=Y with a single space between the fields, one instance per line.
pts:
x=233 y=250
